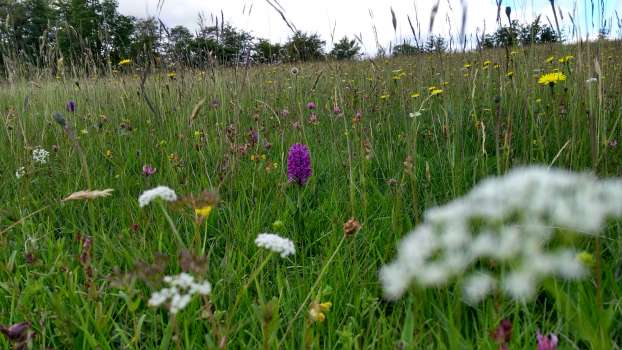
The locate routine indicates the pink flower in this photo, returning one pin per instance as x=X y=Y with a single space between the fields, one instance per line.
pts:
x=148 y=170
x=547 y=342
x=311 y=105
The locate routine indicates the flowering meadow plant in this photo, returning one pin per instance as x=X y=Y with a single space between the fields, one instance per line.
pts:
x=511 y=220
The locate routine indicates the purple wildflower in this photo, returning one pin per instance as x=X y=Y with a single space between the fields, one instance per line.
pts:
x=311 y=105
x=337 y=110
x=148 y=170
x=71 y=106
x=299 y=164
x=547 y=342
x=502 y=334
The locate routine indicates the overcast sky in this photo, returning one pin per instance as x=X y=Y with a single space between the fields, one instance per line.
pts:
x=336 y=18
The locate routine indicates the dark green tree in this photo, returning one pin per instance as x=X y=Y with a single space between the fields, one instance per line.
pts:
x=345 y=49
x=304 y=47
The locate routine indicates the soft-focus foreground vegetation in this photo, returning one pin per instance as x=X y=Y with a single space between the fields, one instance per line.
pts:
x=388 y=139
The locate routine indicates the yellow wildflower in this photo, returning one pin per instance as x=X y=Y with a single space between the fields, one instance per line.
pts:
x=551 y=78
x=509 y=74
x=317 y=311
x=125 y=62
x=203 y=212
x=566 y=59
x=550 y=59
x=487 y=63
x=108 y=153
x=172 y=75
x=384 y=97
x=415 y=95
x=467 y=66
x=436 y=92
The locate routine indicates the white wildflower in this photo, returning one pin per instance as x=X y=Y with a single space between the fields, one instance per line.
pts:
x=161 y=192
x=512 y=221
x=276 y=243
x=20 y=172
x=179 y=293
x=40 y=155
x=478 y=286
x=591 y=80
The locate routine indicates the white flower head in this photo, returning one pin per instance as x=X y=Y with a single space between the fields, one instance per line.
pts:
x=179 y=293
x=40 y=155
x=276 y=243
x=161 y=192
x=20 y=172
x=512 y=221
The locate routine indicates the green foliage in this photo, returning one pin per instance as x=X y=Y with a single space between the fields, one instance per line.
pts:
x=345 y=49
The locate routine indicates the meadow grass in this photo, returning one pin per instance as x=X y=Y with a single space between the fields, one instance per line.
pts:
x=79 y=271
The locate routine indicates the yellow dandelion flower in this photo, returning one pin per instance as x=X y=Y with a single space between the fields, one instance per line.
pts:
x=108 y=153
x=514 y=53
x=550 y=59
x=551 y=78
x=125 y=62
x=415 y=95
x=203 y=212
x=171 y=75
x=509 y=74
x=436 y=92
x=262 y=157
x=487 y=63
x=445 y=83
x=432 y=88
x=467 y=66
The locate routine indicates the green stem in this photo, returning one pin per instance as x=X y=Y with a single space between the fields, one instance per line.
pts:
x=317 y=281
x=173 y=227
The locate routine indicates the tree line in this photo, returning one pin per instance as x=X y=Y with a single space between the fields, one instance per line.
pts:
x=92 y=34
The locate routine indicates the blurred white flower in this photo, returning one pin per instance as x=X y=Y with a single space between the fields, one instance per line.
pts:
x=276 y=243
x=161 y=192
x=178 y=295
x=478 y=286
x=40 y=155
x=510 y=220
x=20 y=172
x=591 y=80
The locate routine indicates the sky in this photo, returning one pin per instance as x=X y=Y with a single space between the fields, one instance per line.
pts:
x=333 y=19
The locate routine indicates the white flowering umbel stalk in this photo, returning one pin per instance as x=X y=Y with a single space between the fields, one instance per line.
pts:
x=510 y=220
x=162 y=194
x=180 y=291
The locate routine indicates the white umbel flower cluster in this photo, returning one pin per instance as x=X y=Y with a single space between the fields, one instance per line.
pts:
x=276 y=243
x=161 y=192
x=40 y=155
x=181 y=288
x=510 y=220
